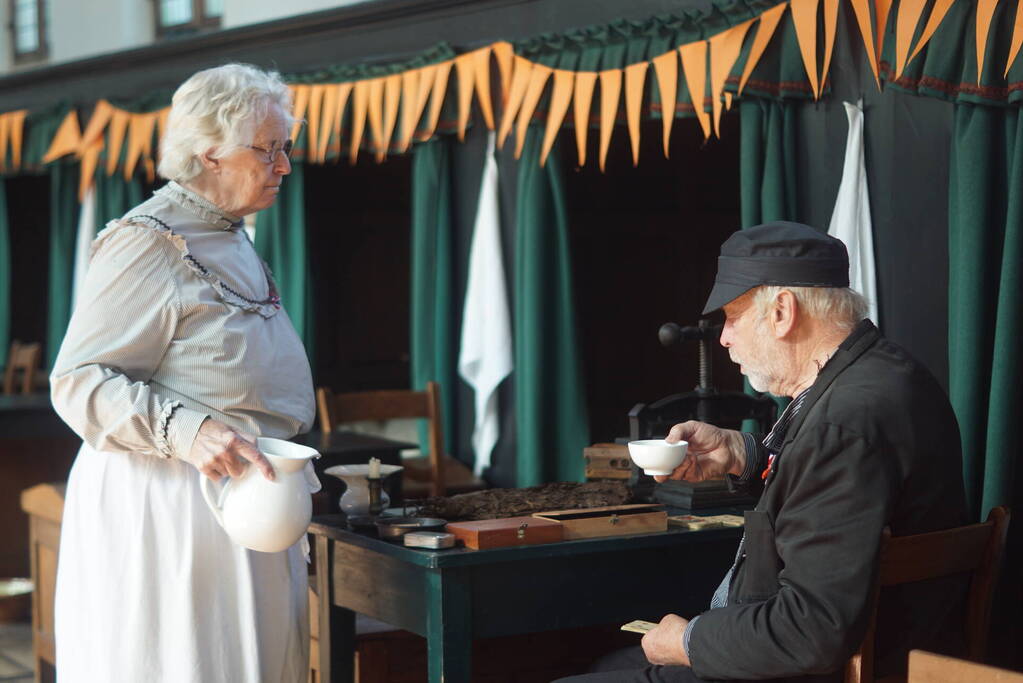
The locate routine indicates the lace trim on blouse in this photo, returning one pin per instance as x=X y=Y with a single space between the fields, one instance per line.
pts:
x=200 y=206
x=267 y=308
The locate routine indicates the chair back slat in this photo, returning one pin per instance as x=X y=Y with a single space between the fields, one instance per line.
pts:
x=925 y=667
x=907 y=559
x=23 y=358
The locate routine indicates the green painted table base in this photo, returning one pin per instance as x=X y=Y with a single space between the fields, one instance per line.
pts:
x=453 y=596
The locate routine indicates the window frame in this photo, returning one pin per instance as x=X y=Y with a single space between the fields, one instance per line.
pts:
x=42 y=50
x=200 y=21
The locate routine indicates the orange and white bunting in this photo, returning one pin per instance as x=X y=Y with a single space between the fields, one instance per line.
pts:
x=804 y=19
x=882 y=8
x=300 y=94
x=635 y=79
x=724 y=50
x=938 y=12
x=375 y=115
x=985 y=11
x=906 y=22
x=1017 y=38
x=830 y=26
x=465 y=70
x=439 y=88
x=140 y=144
x=409 y=114
x=392 y=100
x=67 y=139
x=313 y=109
x=538 y=77
x=765 y=31
x=666 y=71
x=327 y=113
x=521 y=68
x=861 y=9
x=561 y=97
x=503 y=54
x=360 y=104
x=610 y=89
x=481 y=65
x=694 y=65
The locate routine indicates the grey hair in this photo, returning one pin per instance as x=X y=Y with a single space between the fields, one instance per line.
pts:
x=218 y=108
x=841 y=306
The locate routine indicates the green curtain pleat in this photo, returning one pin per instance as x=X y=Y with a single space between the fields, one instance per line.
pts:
x=115 y=197
x=551 y=422
x=767 y=174
x=985 y=300
x=281 y=241
x=63 y=231
x=434 y=308
x=5 y=276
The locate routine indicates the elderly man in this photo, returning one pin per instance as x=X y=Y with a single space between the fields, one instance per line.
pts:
x=869 y=440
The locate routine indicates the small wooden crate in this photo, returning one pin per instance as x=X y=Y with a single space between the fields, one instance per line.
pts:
x=510 y=531
x=613 y=520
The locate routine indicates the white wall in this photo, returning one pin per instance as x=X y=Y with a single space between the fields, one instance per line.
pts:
x=242 y=12
x=93 y=27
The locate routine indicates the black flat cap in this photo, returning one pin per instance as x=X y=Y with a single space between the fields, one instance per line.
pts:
x=778 y=253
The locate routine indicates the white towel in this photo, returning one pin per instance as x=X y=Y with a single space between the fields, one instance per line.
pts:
x=486 y=349
x=850 y=221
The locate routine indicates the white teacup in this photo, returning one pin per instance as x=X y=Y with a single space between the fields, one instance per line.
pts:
x=657 y=456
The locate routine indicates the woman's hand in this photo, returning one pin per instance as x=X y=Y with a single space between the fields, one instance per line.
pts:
x=220 y=451
x=712 y=452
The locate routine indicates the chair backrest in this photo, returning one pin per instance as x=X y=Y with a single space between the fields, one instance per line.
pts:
x=22 y=358
x=925 y=667
x=975 y=549
x=335 y=409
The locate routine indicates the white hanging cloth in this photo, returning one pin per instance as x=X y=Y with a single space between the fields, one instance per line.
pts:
x=850 y=221
x=485 y=358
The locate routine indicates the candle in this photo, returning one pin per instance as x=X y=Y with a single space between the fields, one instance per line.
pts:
x=374 y=468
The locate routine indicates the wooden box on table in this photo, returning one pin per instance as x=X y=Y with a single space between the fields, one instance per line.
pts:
x=506 y=532
x=613 y=520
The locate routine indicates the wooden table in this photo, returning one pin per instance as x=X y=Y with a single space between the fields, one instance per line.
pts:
x=35 y=447
x=453 y=596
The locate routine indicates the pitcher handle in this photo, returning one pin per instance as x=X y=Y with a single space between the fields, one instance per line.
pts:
x=213 y=501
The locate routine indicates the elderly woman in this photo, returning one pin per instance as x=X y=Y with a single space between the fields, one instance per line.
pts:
x=178 y=354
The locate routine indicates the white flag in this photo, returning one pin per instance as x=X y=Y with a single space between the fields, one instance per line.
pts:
x=850 y=221
x=486 y=351
x=83 y=242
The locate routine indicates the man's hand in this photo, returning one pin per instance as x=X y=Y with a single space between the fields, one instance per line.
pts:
x=712 y=453
x=220 y=451
x=662 y=644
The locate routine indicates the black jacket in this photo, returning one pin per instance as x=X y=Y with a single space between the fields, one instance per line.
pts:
x=875 y=443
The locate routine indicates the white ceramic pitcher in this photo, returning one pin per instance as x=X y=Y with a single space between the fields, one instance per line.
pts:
x=263 y=515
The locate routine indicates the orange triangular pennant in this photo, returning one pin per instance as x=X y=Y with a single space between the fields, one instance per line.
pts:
x=301 y=97
x=313 y=109
x=3 y=141
x=1017 y=38
x=635 y=79
x=344 y=91
x=140 y=141
x=804 y=18
x=481 y=62
x=582 y=101
x=66 y=140
x=724 y=50
x=666 y=70
x=906 y=22
x=694 y=65
x=985 y=10
x=862 y=12
x=538 y=76
x=392 y=97
x=16 y=127
x=465 y=70
x=522 y=67
x=765 y=30
x=938 y=13
x=87 y=170
x=376 y=117
x=359 y=106
x=610 y=90
x=409 y=114
x=561 y=96
x=503 y=53
x=101 y=114
x=118 y=127
x=427 y=77
x=328 y=113
x=440 y=87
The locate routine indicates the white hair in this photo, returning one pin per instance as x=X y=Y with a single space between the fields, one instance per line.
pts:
x=218 y=108
x=840 y=306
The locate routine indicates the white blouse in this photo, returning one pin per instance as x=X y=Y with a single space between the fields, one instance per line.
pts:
x=178 y=320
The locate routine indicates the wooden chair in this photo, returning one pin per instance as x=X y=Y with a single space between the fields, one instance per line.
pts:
x=23 y=358
x=976 y=549
x=435 y=475
x=925 y=667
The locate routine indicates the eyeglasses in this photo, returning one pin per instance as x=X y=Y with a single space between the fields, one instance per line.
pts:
x=275 y=150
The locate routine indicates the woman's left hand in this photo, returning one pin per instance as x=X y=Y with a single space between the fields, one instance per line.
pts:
x=219 y=451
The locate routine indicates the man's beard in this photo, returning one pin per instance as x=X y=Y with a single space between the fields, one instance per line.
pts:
x=761 y=367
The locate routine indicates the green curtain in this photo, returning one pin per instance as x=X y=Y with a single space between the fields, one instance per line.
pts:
x=435 y=311
x=281 y=241
x=5 y=276
x=550 y=406
x=63 y=232
x=985 y=299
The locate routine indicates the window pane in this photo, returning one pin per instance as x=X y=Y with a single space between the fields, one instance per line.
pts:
x=26 y=26
x=175 y=12
x=214 y=8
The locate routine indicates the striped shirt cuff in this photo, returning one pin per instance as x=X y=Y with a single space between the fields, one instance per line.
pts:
x=756 y=459
x=182 y=428
x=685 y=638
